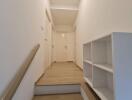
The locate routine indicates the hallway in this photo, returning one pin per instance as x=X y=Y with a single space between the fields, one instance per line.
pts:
x=65 y=49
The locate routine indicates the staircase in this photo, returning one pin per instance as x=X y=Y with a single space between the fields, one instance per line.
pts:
x=62 y=81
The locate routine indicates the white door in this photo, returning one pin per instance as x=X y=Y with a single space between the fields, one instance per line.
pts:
x=47 y=42
x=71 y=46
x=63 y=47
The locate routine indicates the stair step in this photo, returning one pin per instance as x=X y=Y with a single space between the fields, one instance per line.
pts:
x=88 y=93
x=57 y=89
x=74 y=96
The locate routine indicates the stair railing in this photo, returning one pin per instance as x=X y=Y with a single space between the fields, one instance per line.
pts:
x=15 y=82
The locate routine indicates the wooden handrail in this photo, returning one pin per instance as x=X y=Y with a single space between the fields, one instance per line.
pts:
x=15 y=82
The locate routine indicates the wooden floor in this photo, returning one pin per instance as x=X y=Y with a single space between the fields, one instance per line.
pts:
x=60 y=97
x=62 y=73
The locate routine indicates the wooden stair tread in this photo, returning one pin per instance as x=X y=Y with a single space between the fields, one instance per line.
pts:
x=59 y=97
x=61 y=73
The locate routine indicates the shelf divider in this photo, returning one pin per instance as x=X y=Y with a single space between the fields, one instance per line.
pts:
x=106 y=67
x=88 y=61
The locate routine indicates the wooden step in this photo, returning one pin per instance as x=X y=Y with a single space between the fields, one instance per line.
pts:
x=57 y=89
x=75 y=96
x=61 y=73
x=88 y=93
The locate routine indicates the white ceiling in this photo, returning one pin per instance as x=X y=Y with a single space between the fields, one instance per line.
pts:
x=65 y=3
x=63 y=17
x=64 y=12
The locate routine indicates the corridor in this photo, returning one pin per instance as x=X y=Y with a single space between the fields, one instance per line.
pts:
x=65 y=49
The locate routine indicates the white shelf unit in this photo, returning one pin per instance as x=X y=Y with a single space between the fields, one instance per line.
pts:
x=102 y=53
x=108 y=66
x=103 y=83
x=87 y=52
x=88 y=72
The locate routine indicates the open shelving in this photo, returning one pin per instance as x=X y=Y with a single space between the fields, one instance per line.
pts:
x=102 y=53
x=87 y=52
x=107 y=65
x=103 y=83
x=88 y=72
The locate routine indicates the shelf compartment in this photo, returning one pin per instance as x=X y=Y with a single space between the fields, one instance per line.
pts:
x=102 y=52
x=104 y=93
x=106 y=67
x=103 y=84
x=88 y=71
x=87 y=51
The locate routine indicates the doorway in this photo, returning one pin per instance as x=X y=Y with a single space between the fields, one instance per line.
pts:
x=63 y=47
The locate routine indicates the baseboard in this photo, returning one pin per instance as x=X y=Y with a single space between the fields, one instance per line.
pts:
x=78 y=66
x=63 y=61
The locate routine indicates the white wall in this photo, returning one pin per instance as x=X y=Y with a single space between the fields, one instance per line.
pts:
x=100 y=17
x=64 y=28
x=20 y=31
